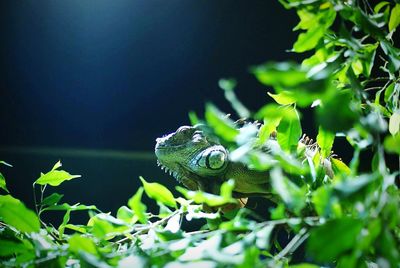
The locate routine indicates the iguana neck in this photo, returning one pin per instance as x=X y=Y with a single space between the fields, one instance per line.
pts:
x=248 y=181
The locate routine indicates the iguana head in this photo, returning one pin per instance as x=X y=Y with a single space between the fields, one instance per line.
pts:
x=192 y=158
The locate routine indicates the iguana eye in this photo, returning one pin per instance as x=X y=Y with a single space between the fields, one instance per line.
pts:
x=215 y=159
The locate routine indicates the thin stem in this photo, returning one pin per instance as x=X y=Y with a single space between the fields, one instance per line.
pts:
x=293 y=244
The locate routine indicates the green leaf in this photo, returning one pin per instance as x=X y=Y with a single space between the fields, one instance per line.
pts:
x=392 y=144
x=328 y=241
x=283 y=98
x=52 y=199
x=14 y=213
x=228 y=85
x=393 y=54
x=325 y=141
x=280 y=75
x=5 y=163
x=338 y=112
x=159 y=193
x=127 y=215
x=65 y=206
x=350 y=185
x=394 y=123
x=339 y=167
x=221 y=124
x=289 y=131
x=79 y=243
x=3 y=183
x=137 y=206
x=293 y=196
x=394 y=19
x=55 y=177
x=8 y=247
x=309 y=39
x=380 y=5
x=200 y=197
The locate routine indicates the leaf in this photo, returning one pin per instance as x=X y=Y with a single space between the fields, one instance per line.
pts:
x=127 y=215
x=281 y=75
x=289 y=131
x=79 y=243
x=339 y=167
x=309 y=39
x=137 y=206
x=14 y=213
x=52 y=199
x=8 y=247
x=328 y=241
x=380 y=5
x=159 y=193
x=392 y=144
x=5 y=163
x=55 y=177
x=350 y=186
x=394 y=123
x=66 y=206
x=222 y=125
x=200 y=197
x=293 y=196
x=325 y=141
x=394 y=19
x=338 y=112
x=283 y=98
x=3 y=183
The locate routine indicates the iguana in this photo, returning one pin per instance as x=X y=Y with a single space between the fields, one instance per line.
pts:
x=200 y=162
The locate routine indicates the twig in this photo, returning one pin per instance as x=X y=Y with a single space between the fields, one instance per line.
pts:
x=293 y=244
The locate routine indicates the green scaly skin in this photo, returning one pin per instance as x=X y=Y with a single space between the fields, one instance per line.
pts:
x=201 y=163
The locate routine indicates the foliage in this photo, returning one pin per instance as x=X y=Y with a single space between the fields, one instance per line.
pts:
x=350 y=78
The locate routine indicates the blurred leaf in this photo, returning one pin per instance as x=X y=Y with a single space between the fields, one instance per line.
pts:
x=200 y=197
x=3 y=183
x=325 y=141
x=222 y=125
x=293 y=196
x=8 y=247
x=5 y=163
x=394 y=123
x=79 y=243
x=137 y=206
x=331 y=239
x=14 y=213
x=333 y=119
x=304 y=265
x=394 y=19
x=289 y=132
x=66 y=206
x=380 y=5
x=339 y=167
x=280 y=75
x=350 y=185
x=159 y=193
x=228 y=85
x=127 y=215
x=392 y=144
x=393 y=53
x=55 y=177
x=316 y=25
x=283 y=98
x=52 y=199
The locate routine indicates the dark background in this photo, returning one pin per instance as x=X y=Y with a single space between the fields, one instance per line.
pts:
x=93 y=83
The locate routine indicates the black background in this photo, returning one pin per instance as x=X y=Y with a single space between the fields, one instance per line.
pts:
x=114 y=75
